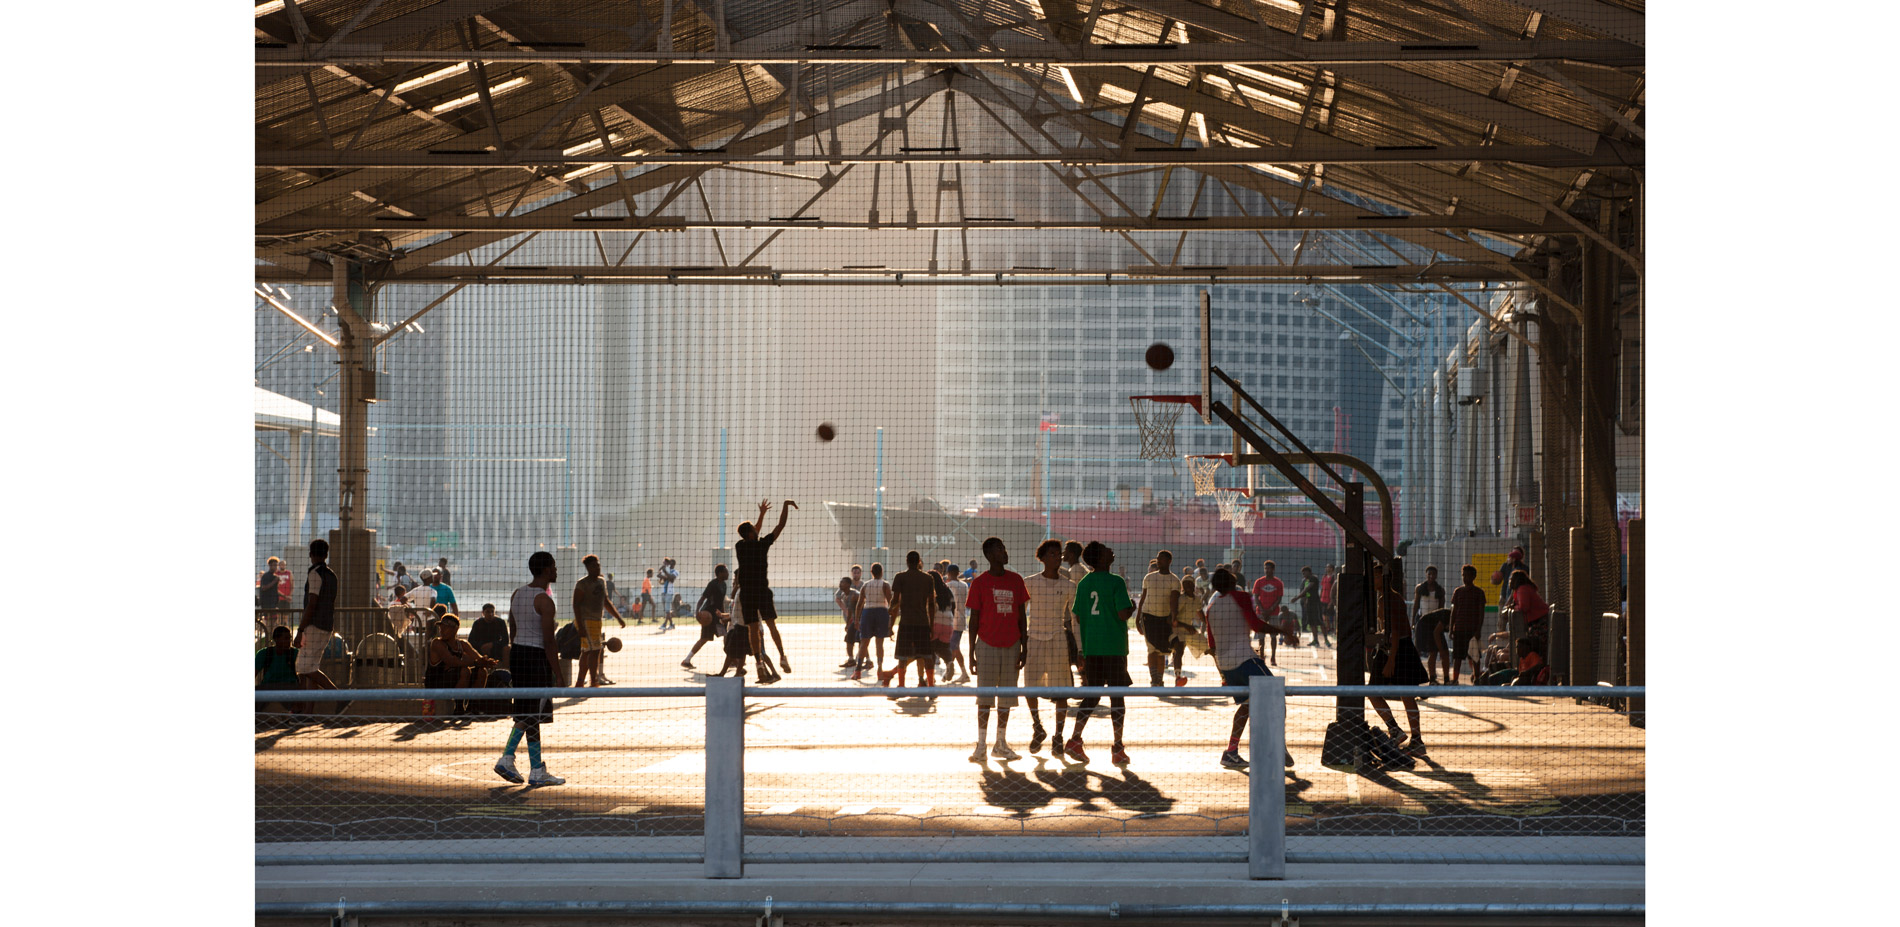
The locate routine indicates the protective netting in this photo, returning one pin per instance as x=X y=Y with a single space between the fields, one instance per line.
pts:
x=1501 y=775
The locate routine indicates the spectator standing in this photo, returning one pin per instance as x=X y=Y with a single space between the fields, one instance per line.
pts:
x=319 y=620
x=1102 y=609
x=914 y=599
x=442 y=573
x=267 y=594
x=1428 y=599
x=669 y=574
x=284 y=581
x=531 y=613
x=422 y=595
x=998 y=603
x=1268 y=590
x=1308 y=599
x=846 y=598
x=1467 y=621
x=874 y=619
x=1048 y=632
x=1072 y=566
x=645 y=610
x=402 y=576
x=443 y=593
x=959 y=619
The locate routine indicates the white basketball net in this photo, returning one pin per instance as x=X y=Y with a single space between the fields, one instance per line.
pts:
x=1235 y=507
x=1202 y=470
x=1156 y=420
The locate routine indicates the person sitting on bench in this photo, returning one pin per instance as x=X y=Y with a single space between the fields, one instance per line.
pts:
x=453 y=664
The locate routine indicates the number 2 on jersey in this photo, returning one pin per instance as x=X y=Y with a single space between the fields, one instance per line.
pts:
x=1095 y=604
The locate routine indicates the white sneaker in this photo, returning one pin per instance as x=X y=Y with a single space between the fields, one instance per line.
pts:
x=978 y=754
x=540 y=776
x=1002 y=752
x=505 y=768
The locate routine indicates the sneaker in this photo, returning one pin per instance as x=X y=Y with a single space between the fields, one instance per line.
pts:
x=1415 y=748
x=604 y=681
x=540 y=776
x=505 y=768
x=977 y=755
x=1055 y=748
x=847 y=663
x=857 y=674
x=1074 y=750
x=1179 y=681
x=767 y=677
x=1119 y=757
x=1398 y=739
x=1231 y=759
x=1002 y=752
x=1036 y=739
x=684 y=664
x=883 y=677
x=783 y=664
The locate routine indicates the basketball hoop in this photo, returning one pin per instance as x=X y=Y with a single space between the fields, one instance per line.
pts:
x=1232 y=501
x=1155 y=416
x=1202 y=467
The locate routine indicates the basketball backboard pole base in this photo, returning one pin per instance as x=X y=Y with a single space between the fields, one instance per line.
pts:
x=1347 y=737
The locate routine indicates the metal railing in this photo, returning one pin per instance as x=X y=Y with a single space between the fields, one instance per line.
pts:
x=725 y=856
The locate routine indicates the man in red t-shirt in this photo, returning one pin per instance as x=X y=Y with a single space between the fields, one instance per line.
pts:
x=998 y=623
x=1267 y=592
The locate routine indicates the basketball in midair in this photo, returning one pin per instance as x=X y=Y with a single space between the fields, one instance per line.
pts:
x=1160 y=356
x=613 y=644
x=826 y=432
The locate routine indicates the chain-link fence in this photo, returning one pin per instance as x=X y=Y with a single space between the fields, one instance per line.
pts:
x=1485 y=773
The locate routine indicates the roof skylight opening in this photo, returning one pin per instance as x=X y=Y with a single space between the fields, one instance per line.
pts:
x=1271 y=99
x=265 y=9
x=1069 y=79
x=586 y=169
x=592 y=144
x=494 y=91
x=431 y=77
x=1180 y=34
x=1291 y=6
x=1272 y=80
x=1200 y=122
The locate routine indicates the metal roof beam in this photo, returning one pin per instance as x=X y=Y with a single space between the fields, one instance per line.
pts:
x=1609 y=153
x=1593 y=15
x=1340 y=221
x=1014 y=50
x=1448 y=272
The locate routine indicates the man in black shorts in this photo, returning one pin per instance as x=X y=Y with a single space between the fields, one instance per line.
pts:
x=1160 y=592
x=1394 y=662
x=710 y=611
x=914 y=599
x=531 y=663
x=755 y=594
x=1102 y=609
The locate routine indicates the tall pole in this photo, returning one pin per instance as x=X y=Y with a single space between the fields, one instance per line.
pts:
x=720 y=541
x=1048 y=516
x=879 y=542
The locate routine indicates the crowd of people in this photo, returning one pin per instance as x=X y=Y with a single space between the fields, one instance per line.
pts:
x=1064 y=623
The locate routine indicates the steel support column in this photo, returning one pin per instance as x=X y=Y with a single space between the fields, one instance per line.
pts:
x=352 y=542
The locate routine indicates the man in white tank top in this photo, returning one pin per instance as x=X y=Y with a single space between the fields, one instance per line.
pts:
x=531 y=662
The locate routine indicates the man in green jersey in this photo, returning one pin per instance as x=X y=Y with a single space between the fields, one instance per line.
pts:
x=1102 y=609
